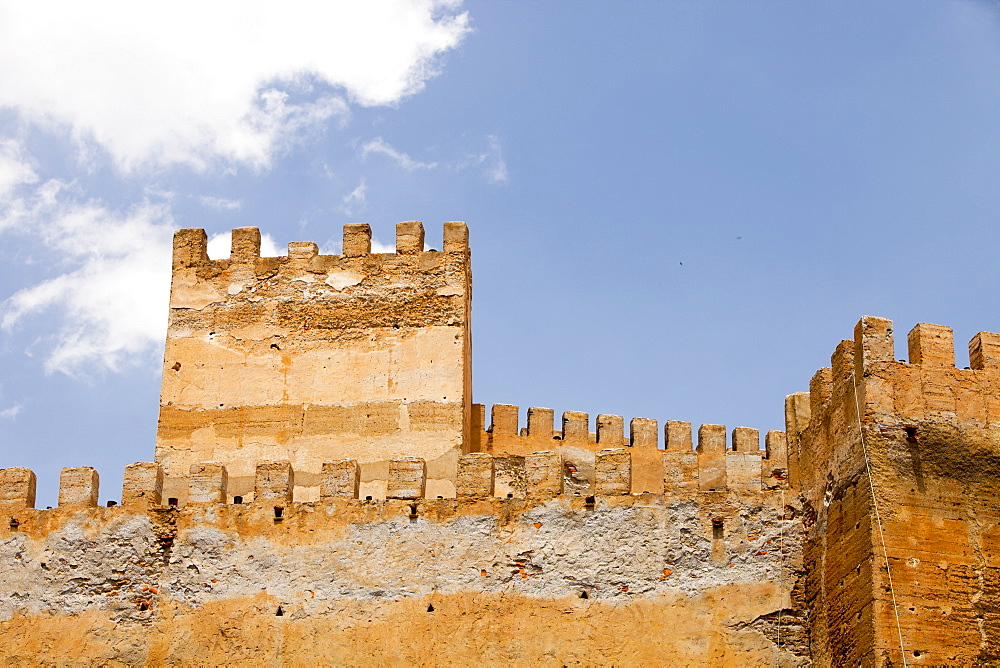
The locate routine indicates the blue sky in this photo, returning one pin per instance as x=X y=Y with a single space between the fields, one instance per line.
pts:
x=676 y=209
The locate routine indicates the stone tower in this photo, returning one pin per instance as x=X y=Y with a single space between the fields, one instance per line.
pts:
x=312 y=358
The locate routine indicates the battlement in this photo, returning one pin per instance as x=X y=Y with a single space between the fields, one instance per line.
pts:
x=635 y=467
x=190 y=248
x=310 y=358
x=680 y=465
x=864 y=373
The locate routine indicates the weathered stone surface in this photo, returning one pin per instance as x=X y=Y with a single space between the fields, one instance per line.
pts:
x=497 y=581
x=143 y=483
x=17 y=488
x=78 y=486
x=362 y=355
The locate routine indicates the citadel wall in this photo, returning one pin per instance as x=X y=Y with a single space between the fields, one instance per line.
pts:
x=897 y=465
x=296 y=358
x=545 y=577
x=324 y=491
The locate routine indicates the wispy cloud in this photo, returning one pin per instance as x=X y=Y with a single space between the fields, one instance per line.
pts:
x=112 y=294
x=212 y=90
x=221 y=203
x=355 y=201
x=492 y=161
x=380 y=146
x=11 y=412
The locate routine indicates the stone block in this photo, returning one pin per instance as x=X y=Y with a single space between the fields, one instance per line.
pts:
x=575 y=427
x=680 y=472
x=613 y=472
x=409 y=237
x=273 y=482
x=984 y=351
x=208 y=482
x=245 y=245
x=78 y=486
x=931 y=345
x=711 y=457
x=476 y=475
x=543 y=473
x=143 y=483
x=302 y=250
x=340 y=479
x=357 y=240
x=611 y=431
x=407 y=478
x=17 y=488
x=677 y=436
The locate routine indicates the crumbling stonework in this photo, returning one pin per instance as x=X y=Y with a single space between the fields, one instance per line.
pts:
x=325 y=492
x=300 y=357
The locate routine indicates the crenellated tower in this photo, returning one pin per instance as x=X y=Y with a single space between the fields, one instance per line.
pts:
x=311 y=358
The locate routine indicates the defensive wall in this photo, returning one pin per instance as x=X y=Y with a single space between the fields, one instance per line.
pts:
x=866 y=533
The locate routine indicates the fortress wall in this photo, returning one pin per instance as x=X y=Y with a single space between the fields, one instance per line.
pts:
x=932 y=437
x=627 y=580
x=678 y=466
x=309 y=358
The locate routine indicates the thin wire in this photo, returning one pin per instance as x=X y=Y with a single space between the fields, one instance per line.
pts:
x=878 y=518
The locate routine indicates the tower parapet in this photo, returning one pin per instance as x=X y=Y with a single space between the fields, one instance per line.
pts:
x=309 y=358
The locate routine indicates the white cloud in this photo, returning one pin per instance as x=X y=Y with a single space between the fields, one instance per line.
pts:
x=16 y=167
x=379 y=247
x=380 y=146
x=356 y=200
x=11 y=412
x=195 y=83
x=221 y=203
x=112 y=298
x=220 y=246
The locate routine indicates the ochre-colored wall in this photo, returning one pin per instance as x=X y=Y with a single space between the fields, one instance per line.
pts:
x=928 y=445
x=497 y=581
x=310 y=358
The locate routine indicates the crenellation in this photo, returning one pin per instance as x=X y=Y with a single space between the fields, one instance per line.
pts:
x=190 y=248
x=613 y=472
x=409 y=238
x=541 y=423
x=274 y=481
x=774 y=466
x=357 y=240
x=984 y=351
x=456 y=237
x=711 y=457
x=873 y=341
x=407 y=478
x=302 y=251
x=610 y=431
x=208 y=482
x=340 y=480
x=17 y=488
x=746 y=439
x=543 y=474
x=245 y=246
x=476 y=475
x=274 y=367
x=78 y=486
x=931 y=345
x=143 y=484
x=575 y=427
